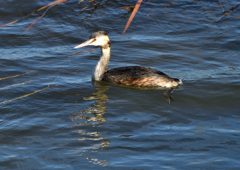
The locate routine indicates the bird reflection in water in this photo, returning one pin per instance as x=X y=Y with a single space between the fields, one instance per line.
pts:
x=89 y=120
x=99 y=108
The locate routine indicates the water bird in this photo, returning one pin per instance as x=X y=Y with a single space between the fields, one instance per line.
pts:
x=138 y=76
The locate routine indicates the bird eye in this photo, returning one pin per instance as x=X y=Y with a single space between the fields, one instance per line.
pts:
x=94 y=40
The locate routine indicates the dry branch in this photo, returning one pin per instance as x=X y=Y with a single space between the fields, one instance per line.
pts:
x=226 y=13
x=50 y=5
x=132 y=16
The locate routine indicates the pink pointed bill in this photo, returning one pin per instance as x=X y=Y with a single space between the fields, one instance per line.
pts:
x=86 y=43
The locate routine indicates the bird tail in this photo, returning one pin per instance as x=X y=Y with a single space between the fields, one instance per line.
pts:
x=178 y=81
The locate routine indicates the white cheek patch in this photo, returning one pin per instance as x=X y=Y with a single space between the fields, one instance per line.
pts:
x=99 y=41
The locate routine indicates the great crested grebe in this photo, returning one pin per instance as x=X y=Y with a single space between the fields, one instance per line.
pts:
x=137 y=76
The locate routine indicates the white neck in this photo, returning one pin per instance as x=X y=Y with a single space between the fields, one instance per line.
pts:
x=102 y=64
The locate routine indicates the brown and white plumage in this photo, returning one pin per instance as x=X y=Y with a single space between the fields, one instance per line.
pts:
x=138 y=76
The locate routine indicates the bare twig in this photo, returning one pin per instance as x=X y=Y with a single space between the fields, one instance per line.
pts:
x=132 y=16
x=221 y=5
x=38 y=19
x=27 y=95
x=127 y=7
x=46 y=6
x=226 y=13
x=82 y=52
x=17 y=75
x=96 y=4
